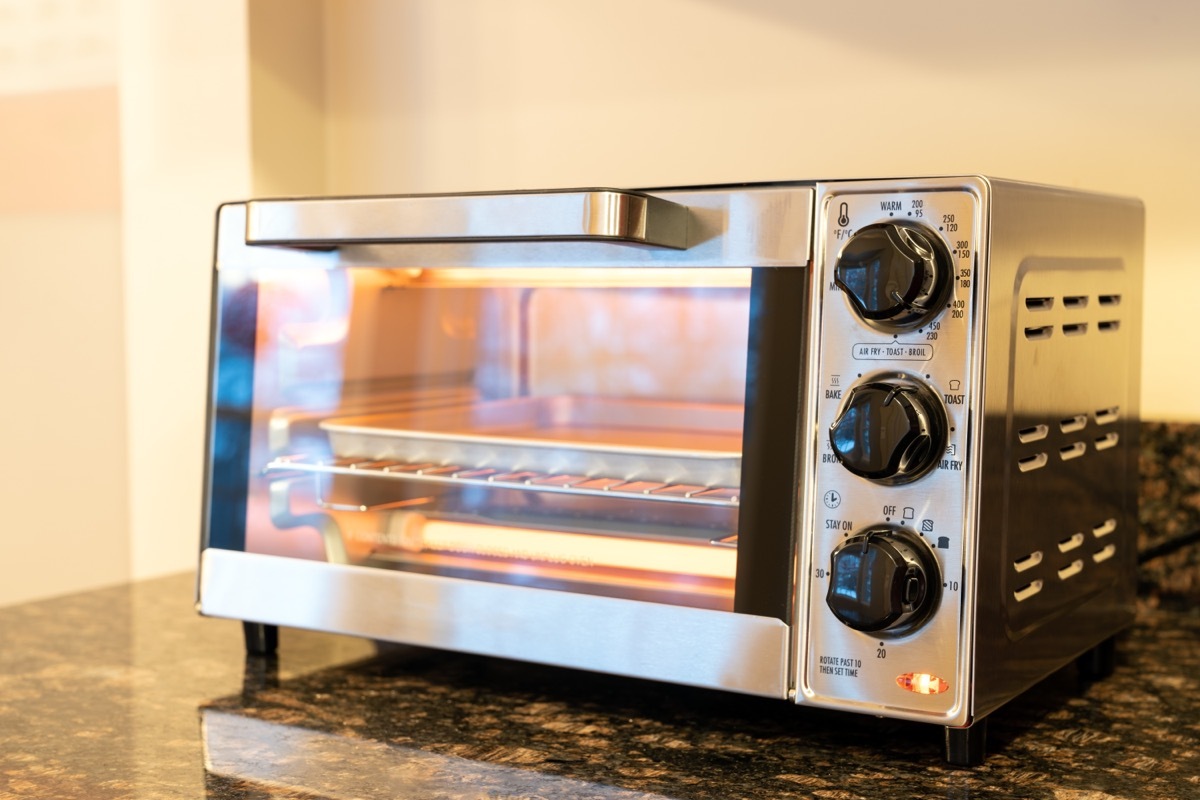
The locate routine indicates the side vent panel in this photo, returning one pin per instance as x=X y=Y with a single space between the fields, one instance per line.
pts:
x=1065 y=539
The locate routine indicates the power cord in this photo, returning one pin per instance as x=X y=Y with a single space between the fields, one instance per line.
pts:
x=1169 y=546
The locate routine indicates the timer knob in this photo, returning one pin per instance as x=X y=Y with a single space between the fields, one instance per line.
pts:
x=890 y=431
x=896 y=275
x=883 y=579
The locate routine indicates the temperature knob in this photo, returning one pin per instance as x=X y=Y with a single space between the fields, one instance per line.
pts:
x=883 y=579
x=890 y=431
x=896 y=275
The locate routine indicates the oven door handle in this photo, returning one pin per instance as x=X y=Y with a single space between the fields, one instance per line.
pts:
x=572 y=215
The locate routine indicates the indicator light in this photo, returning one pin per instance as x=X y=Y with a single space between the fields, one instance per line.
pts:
x=921 y=683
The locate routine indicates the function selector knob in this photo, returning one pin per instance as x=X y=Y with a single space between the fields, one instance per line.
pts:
x=883 y=579
x=896 y=276
x=890 y=431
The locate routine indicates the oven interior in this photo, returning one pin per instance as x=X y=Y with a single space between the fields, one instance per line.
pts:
x=576 y=429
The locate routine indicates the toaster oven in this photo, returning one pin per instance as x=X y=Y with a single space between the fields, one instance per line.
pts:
x=860 y=445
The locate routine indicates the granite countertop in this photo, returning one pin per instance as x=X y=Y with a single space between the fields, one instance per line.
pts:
x=127 y=693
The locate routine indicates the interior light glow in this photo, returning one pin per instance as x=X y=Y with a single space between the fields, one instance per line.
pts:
x=922 y=683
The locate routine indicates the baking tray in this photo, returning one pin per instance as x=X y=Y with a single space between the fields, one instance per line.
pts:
x=671 y=442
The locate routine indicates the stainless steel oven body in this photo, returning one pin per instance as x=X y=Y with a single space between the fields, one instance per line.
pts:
x=866 y=445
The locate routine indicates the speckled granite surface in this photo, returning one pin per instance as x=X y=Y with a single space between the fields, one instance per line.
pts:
x=126 y=693
x=1170 y=505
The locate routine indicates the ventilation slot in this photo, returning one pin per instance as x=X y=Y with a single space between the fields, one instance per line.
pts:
x=1110 y=299
x=1036 y=461
x=1033 y=433
x=1104 y=553
x=1028 y=562
x=1071 y=570
x=1071 y=542
x=1104 y=416
x=1075 y=329
x=1039 y=303
x=1107 y=440
x=1104 y=528
x=1076 y=301
x=1027 y=591
x=1072 y=451
x=1042 y=332
x=1072 y=424
x=1108 y=325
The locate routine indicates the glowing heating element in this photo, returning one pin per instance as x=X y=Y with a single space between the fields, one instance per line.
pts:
x=416 y=533
x=594 y=277
x=922 y=683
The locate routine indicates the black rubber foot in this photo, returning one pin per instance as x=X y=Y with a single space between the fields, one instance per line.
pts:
x=966 y=747
x=261 y=640
x=1100 y=661
x=261 y=673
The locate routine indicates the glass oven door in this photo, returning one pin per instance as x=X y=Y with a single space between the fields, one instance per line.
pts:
x=560 y=404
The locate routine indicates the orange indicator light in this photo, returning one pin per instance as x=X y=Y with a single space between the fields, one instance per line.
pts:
x=922 y=683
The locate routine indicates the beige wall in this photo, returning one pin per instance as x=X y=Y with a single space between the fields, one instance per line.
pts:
x=287 y=97
x=123 y=123
x=63 y=478
x=185 y=148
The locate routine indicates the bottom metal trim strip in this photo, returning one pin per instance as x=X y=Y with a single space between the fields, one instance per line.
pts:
x=691 y=646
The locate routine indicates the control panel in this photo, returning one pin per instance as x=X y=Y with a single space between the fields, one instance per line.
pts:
x=885 y=597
